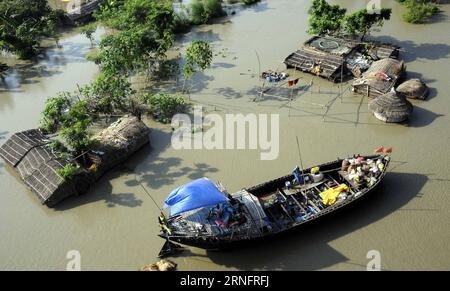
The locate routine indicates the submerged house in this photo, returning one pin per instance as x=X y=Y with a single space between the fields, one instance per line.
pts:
x=28 y=152
x=380 y=78
x=333 y=58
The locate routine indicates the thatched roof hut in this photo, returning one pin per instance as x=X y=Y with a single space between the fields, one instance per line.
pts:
x=391 y=107
x=38 y=165
x=326 y=56
x=380 y=78
x=413 y=88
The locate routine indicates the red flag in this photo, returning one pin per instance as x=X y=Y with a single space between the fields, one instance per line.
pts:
x=379 y=150
x=293 y=82
x=388 y=150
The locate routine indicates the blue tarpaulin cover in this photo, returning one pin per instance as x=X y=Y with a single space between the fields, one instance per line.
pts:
x=199 y=193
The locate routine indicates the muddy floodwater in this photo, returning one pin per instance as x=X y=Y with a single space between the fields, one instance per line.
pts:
x=114 y=226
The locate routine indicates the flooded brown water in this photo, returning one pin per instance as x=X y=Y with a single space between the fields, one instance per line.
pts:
x=114 y=226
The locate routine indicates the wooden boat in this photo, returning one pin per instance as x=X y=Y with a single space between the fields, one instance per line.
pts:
x=275 y=206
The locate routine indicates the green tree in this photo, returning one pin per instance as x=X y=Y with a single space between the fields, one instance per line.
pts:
x=74 y=128
x=145 y=33
x=360 y=22
x=24 y=23
x=108 y=95
x=325 y=18
x=198 y=57
x=88 y=31
x=54 y=112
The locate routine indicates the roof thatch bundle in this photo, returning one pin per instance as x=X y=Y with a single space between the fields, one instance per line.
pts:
x=380 y=78
x=413 y=88
x=391 y=107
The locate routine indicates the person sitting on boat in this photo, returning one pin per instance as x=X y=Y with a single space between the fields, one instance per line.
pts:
x=299 y=178
x=227 y=216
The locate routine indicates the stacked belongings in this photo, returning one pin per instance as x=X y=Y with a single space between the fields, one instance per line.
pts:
x=360 y=170
x=271 y=76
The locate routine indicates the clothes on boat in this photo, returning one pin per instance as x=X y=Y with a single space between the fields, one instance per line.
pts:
x=330 y=196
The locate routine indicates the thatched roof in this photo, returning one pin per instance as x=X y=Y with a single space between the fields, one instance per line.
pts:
x=374 y=81
x=38 y=166
x=413 y=88
x=391 y=107
x=19 y=144
x=117 y=142
x=321 y=64
x=325 y=55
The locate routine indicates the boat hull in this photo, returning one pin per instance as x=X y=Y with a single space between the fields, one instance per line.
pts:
x=216 y=243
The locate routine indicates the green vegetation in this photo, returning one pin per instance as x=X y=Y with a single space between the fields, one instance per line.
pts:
x=198 y=58
x=24 y=23
x=419 y=11
x=144 y=33
x=68 y=171
x=70 y=120
x=202 y=11
x=54 y=112
x=325 y=18
x=108 y=94
x=88 y=30
x=182 y=22
x=74 y=129
x=164 y=106
x=332 y=19
x=360 y=22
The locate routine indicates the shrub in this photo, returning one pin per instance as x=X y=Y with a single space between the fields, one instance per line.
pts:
x=67 y=172
x=164 y=106
x=419 y=11
x=202 y=11
x=182 y=23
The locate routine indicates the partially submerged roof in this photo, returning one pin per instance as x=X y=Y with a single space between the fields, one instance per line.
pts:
x=413 y=88
x=391 y=107
x=28 y=152
x=380 y=78
x=19 y=144
x=326 y=55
